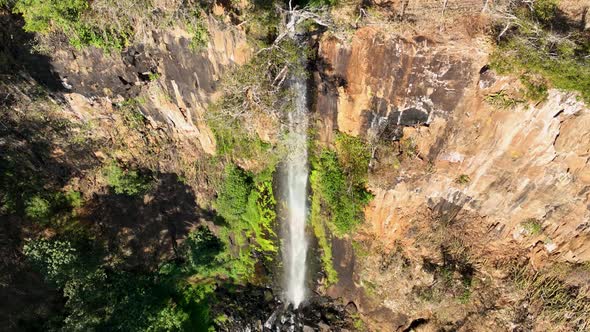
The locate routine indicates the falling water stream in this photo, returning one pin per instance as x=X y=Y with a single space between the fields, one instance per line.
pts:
x=295 y=242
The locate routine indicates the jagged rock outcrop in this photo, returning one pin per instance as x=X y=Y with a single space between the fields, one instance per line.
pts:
x=180 y=82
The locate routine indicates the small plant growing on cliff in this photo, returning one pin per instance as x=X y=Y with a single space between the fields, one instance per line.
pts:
x=125 y=182
x=354 y=155
x=502 y=100
x=463 y=179
x=196 y=26
x=532 y=226
x=131 y=112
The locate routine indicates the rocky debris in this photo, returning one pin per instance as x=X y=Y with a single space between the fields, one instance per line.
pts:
x=249 y=309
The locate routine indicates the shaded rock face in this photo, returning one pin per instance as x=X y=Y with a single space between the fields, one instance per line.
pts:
x=377 y=84
x=181 y=82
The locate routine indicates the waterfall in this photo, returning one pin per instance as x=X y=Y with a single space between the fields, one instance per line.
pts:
x=295 y=242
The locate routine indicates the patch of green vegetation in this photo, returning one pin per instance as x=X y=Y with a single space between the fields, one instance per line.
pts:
x=101 y=296
x=358 y=323
x=235 y=143
x=106 y=24
x=354 y=156
x=463 y=179
x=132 y=115
x=232 y=199
x=37 y=208
x=198 y=30
x=257 y=87
x=359 y=249
x=337 y=181
x=342 y=197
x=54 y=259
x=247 y=204
x=153 y=76
x=319 y=230
x=535 y=87
x=408 y=148
x=39 y=15
x=370 y=287
x=532 y=226
x=535 y=47
x=126 y=182
x=45 y=206
x=70 y=16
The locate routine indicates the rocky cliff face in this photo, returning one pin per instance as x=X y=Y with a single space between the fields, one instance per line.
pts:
x=485 y=173
x=179 y=82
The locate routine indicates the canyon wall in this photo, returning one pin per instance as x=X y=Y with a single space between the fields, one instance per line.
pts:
x=531 y=161
x=465 y=172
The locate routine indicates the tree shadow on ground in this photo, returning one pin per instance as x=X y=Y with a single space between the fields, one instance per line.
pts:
x=18 y=56
x=146 y=230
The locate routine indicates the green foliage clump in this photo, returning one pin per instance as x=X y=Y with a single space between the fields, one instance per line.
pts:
x=342 y=197
x=321 y=234
x=198 y=30
x=552 y=298
x=53 y=258
x=69 y=16
x=542 y=56
x=338 y=179
x=106 y=24
x=502 y=100
x=545 y=10
x=247 y=205
x=43 y=206
x=463 y=179
x=532 y=226
x=354 y=156
x=125 y=182
x=103 y=296
x=131 y=113
x=233 y=196
x=37 y=208
x=39 y=15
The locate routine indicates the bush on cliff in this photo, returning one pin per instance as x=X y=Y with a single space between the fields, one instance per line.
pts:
x=107 y=24
x=544 y=48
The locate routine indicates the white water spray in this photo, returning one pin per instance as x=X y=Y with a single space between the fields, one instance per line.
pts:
x=295 y=249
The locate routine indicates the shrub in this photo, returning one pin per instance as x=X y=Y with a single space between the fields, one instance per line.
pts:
x=354 y=155
x=131 y=112
x=37 y=208
x=463 y=179
x=545 y=10
x=198 y=29
x=344 y=201
x=54 y=258
x=532 y=226
x=247 y=204
x=502 y=100
x=232 y=198
x=541 y=56
x=39 y=15
x=550 y=296
x=125 y=182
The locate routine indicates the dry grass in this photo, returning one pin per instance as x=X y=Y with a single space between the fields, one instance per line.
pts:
x=565 y=305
